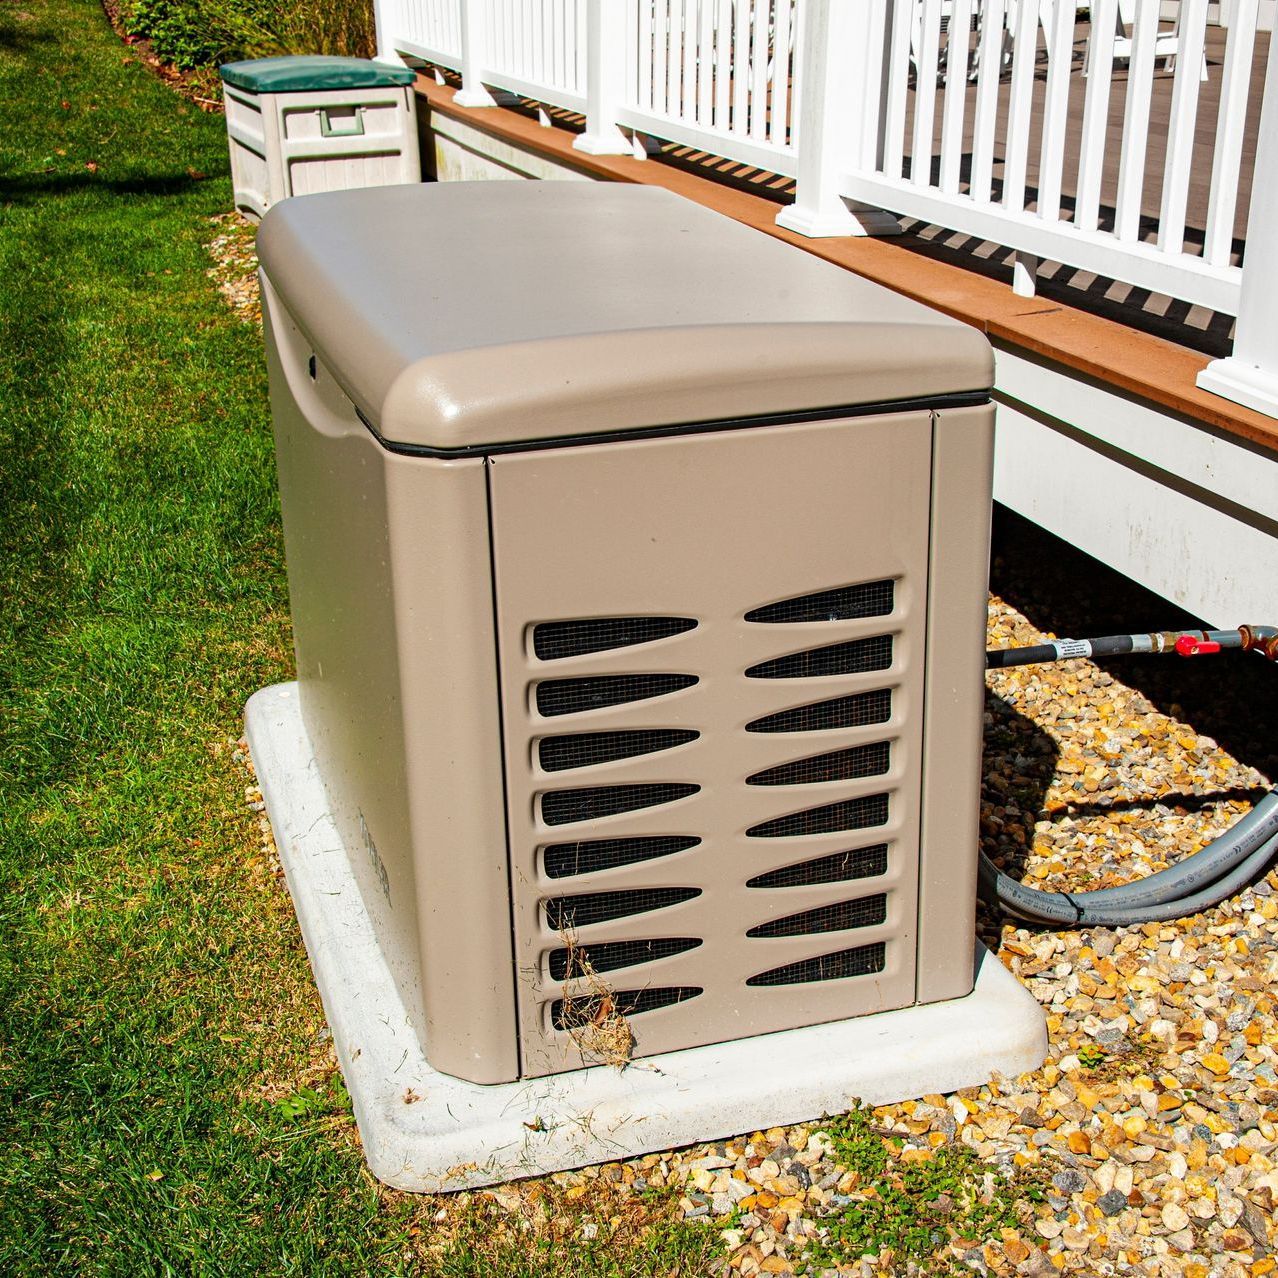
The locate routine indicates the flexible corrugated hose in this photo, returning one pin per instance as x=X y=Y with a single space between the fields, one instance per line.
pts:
x=1220 y=870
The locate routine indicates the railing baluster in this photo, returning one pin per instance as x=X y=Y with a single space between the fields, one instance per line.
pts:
x=988 y=74
x=1231 y=121
x=722 y=63
x=1024 y=58
x=1180 y=128
x=647 y=53
x=661 y=19
x=780 y=72
x=1140 y=81
x=704 y=62
x=759 y=68
x=1100 y=78
x=688 y=86
x=674 y=61
x=740 y=64
x=1056 y=113
x=898 y=85
x=956 y=63
x=927 y=55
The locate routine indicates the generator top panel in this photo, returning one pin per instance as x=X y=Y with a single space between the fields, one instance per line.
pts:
x=459 y=323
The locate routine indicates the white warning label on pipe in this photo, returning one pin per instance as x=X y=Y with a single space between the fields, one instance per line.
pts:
x=1067 y=648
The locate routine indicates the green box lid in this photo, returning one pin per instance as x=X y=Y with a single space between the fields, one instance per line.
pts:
x=307 y=74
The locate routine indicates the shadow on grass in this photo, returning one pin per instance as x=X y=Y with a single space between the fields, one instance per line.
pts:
x=17 y=39
x=34 y=190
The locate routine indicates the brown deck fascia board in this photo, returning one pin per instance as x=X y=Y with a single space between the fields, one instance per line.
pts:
x=1141 y=364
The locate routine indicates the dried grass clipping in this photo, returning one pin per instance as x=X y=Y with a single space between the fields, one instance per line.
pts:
x=595 y=1022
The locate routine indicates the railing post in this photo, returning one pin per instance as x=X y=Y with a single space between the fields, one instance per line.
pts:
x=842 y=50
x=388 y=23
x=605 y=74
x=1249 y=376
x=474 y=53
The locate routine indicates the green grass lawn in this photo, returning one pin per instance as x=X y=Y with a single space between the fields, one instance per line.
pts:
x=157 y=1018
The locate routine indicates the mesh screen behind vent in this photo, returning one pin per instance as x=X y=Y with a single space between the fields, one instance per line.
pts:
x=851 y=814
x=561 y=860
x=865 y=960
x=821 y=716
x=838 y=765
x=568 y=1014
x=571 y=696
x=563 y=913
x=567 y=964
x=555 y=639
x=585 y=749
x=566 y=807
x=869 y=911
x=857 y=656
x=869 y=599
x=861 y=863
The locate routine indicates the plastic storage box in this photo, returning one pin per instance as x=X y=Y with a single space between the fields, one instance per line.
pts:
x=637 y=565
x=301 y=125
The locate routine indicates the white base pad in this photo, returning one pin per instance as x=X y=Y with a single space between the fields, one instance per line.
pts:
x=423 y=1130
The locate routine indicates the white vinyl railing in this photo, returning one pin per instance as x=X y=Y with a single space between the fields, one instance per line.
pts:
x=1008 y=120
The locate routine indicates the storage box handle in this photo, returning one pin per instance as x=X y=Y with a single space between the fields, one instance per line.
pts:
x=345 y=126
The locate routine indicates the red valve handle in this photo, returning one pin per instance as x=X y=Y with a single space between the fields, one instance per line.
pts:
x=1191 y=646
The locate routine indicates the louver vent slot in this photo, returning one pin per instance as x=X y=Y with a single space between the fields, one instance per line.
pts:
x=566 y=807
x=860 y=863
x=857 y=656
x=865 y=960
x=578 y=1013
x=553 y=640
x=586 y=749
x=869 y=599
x=563 y=913
x=869 y=911
x=851 y=814
x=838 y=765
x=580 y=960
x=562 y=860
x=571 y=696
x=822 y=716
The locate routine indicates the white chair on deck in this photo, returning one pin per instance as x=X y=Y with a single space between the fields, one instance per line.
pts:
x=1046 y=15
x=1166 y=43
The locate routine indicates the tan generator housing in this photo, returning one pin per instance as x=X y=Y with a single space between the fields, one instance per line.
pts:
x=638 y=565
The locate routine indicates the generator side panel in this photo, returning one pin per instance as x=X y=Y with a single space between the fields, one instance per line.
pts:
x=958 y=584
x=390 y=594
x=712 y=650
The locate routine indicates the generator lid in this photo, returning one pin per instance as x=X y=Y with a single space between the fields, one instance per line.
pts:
x=311 y=73
x=464 y=316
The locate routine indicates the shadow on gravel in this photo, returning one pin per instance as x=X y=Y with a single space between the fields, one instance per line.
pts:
x=1232 y=698
x=1018 y=766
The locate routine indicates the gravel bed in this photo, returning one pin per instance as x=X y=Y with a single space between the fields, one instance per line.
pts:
x=1153 y=1127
